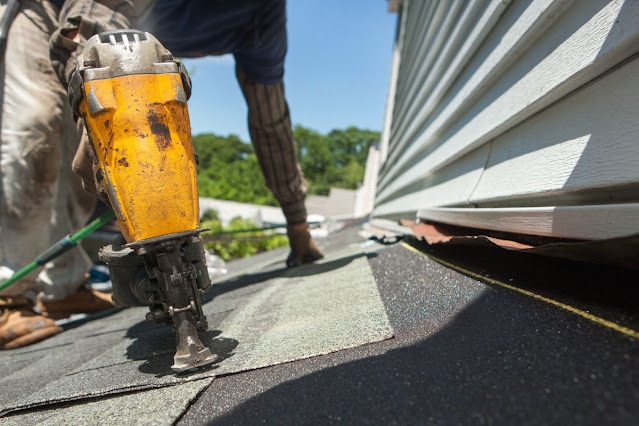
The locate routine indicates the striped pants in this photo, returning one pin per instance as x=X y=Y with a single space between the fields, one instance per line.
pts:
x=272 y=137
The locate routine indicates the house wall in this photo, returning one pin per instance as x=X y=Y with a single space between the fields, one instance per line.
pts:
x=519 y=116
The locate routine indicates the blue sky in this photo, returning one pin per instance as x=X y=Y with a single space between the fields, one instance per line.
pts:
x=336 y=71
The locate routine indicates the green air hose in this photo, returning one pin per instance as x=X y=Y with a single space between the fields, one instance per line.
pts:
x=58 y=248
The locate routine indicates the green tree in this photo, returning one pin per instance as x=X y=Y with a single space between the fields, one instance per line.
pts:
x=351 y=144
x=334 y=160
x=228 y=168
x=353 y=174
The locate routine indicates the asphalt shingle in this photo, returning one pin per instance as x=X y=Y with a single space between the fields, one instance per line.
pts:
x=264 y=316
x=464 y=352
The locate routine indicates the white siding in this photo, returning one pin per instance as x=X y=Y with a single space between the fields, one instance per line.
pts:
x=514 y=104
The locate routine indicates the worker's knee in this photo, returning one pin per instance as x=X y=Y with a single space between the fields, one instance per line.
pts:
x=288 y=188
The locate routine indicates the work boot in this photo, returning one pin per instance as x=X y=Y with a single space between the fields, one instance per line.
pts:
x=20 y=325
x=83 y=301
x=303 y=247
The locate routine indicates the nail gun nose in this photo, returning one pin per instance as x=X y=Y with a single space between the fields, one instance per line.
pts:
x=191 y=352
x=168 y=274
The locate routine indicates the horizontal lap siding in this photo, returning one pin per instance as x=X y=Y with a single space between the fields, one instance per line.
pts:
x=513 y=104
x=585 y=142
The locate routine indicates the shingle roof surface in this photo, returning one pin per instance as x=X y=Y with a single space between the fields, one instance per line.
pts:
x=260 y=316
x=465 y=351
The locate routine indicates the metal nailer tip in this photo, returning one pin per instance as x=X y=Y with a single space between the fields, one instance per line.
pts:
x=191 y=352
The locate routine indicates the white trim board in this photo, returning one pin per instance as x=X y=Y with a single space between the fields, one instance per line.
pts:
x=579 y=222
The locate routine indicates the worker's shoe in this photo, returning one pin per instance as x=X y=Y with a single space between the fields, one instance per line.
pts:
x=303 y=247
x=83 y=301
x=21 y=326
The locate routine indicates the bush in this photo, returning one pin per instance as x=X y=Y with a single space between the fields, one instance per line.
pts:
x=237 y=244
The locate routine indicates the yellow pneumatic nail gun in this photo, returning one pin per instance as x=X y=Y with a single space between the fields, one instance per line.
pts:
x=132 y=95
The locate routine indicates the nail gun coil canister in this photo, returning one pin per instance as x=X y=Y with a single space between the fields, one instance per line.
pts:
x=132 y=95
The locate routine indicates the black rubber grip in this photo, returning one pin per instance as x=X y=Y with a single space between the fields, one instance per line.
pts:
x=55 y=250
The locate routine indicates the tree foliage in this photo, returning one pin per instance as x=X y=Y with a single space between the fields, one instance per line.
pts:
x=334 y=160
x=228 y=167
x=228 y=170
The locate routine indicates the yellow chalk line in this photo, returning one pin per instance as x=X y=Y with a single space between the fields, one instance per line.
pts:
x=621 y=329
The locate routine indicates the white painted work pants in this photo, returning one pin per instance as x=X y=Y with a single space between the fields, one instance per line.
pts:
x=41 y=199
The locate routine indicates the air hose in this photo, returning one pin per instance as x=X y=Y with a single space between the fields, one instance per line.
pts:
x=59 y=248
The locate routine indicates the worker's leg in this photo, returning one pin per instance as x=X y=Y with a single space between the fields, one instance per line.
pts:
x=272 y=137
x=63 y=279
x=30 y=155
x=260 y=68
x=31 y=127
x=72 y=208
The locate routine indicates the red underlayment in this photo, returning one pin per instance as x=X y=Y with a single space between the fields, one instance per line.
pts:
x=619 y=252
